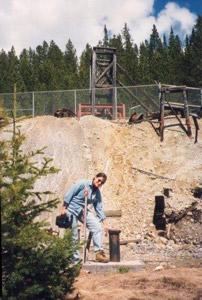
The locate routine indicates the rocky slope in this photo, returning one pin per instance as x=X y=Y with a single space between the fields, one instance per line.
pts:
x=138 y=166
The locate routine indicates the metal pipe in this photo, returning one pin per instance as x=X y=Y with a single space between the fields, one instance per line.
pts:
x=114 y=245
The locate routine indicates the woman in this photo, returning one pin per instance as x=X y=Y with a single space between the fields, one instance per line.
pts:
x=73 y=206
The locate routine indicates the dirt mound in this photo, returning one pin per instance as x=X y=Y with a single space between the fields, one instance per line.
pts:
x=138 y=166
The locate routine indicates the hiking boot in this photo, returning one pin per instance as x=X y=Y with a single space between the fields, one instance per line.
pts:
x=101 y=257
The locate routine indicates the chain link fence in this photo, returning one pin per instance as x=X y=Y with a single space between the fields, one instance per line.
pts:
x=135 y=98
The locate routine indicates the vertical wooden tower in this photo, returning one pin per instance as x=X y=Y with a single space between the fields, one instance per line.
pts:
x=103 y=74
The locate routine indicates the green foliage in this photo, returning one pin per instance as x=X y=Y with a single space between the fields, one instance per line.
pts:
x=84 y=68
x=195 y=54
x=123 y=270
x=35 y=264
x=157 y=59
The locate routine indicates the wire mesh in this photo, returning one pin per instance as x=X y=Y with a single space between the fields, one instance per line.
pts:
x=144 y=98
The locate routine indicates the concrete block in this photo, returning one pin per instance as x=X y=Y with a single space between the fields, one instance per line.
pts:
x=119 y=267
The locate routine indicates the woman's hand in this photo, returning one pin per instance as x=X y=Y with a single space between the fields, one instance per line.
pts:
x=105 y=226
x=85 y=191
x=63 y=210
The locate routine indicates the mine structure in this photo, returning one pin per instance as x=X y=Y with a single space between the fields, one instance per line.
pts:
x=104 y=70
x=104 y=83
x=169 y=109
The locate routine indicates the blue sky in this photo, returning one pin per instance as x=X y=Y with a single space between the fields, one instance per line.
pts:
x=25 y=24
x=193 y=5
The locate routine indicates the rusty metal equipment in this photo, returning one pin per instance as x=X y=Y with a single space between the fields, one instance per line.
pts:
x=114 y=245
x=166 y=192
x=101 y=110
x=64 y=112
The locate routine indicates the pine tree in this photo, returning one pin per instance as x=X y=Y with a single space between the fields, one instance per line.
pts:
x=106 y=37
x=196 y=54
x=144 y=63
x=186 y=79
x=56 y=61
x=4 y=65
x=130 y=56
x=84 y=67
x=155 y=55
x=35 y=264
x=13 y=72
x=71 y=66
x=26 y=70
x=175 y=59
x=41 y=69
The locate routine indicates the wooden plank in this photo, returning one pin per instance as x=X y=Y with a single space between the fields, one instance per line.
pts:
x=113 y=213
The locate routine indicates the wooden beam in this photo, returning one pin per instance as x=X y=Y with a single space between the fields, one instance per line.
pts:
x=93 y=81
x=130 y=78
x=104 y=72
x=113 y=213
x=136 y=98
x=114 y=88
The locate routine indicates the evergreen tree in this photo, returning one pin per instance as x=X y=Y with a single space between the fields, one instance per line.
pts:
x=35 y=264
x=13 y=72
x=56 y=61
x=155 y=43
x=175 y=59
x=4 y=66
x=158 y=57
x=106 y=37
x=155 y=56
x=71 y=66
x=42 y=69
x=130 y=56
x=196 y=54
x=26 y=70
x=84 y=67
x=144 y=63
x=186 y=79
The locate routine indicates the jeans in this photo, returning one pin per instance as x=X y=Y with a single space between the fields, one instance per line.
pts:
x=94 y=226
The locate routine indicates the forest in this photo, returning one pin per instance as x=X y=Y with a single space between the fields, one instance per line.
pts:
x=168 y=60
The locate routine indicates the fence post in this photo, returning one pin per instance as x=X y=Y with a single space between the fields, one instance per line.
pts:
x=75 y=100
x=33 y=105
x=14 y=102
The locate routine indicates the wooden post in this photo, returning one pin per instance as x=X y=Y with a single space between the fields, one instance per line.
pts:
x=33 y=105
x=186 y=110
x=114 y=88
x=75 y=102
x=79 y=111
x=14 y=102
x=162 y=102
x=93 y=81
x=124 y=111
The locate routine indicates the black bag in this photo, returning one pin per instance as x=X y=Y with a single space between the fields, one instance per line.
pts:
x=63 y=221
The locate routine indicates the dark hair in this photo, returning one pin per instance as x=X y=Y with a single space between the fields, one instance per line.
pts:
x=103 y=175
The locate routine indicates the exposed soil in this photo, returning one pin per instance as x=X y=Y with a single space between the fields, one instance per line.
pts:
x=175 y=284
